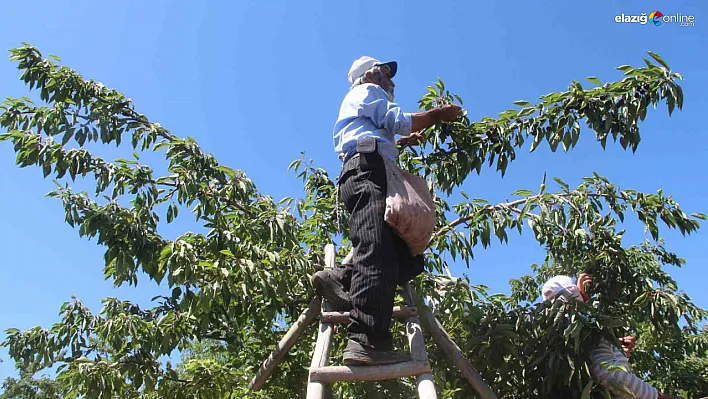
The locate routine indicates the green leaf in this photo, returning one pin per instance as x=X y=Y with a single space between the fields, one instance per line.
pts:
x=560 y=182
x=567 y=141
x=594 y=79
x=699 y=216
x=67 y=136
x=522 y=103
x=658 y=59
x=640 y=299
x=679 y=96
x=672 y=104
x=295 y=164
x=624 y=67
x=226 y=170
x=526 y=111
x=538 y=138
x=586 y=390
x=227 y=253
x=47 y=169
x=171 y=213
x=522 y=193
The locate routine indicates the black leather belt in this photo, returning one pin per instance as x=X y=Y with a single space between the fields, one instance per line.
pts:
x=354 y=153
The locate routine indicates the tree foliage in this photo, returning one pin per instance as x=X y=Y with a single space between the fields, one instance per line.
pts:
x=241 y=277
x=29 y=387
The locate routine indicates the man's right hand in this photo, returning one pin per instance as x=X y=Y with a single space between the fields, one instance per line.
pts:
x=423 y=120
x=448 y=113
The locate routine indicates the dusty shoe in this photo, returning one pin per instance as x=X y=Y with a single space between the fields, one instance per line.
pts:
x=329 y=286
x=358 y=355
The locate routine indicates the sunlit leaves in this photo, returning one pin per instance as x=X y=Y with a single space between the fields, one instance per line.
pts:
x=454 y=150
x=242 y=275
x=265 y=263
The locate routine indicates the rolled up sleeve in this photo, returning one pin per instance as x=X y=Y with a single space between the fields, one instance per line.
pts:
x=384 y=113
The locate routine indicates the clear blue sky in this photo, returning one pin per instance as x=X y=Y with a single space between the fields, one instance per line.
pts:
x=257 y=82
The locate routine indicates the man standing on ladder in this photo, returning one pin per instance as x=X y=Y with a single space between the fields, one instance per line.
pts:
x=364 y=133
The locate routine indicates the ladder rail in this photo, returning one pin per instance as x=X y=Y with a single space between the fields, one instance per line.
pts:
x=321 y=375
x=424 y=382
x=452 y=351
x=323 y=346
x=320 y=358
x=307 y=317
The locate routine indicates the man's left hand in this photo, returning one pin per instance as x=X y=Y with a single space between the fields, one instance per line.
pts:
x=583 y=284
x=412 y=139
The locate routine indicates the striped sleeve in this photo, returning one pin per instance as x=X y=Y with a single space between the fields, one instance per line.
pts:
x=611 y=369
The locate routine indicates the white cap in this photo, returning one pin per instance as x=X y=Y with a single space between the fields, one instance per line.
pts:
x=560 y=285
x=365 y=63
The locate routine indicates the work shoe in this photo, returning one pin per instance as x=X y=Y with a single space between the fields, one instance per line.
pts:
x=358 y=355
x=328 y=285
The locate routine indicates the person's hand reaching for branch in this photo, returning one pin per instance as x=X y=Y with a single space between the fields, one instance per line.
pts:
x=628 y=344
x=446 y=113
x=412 y=139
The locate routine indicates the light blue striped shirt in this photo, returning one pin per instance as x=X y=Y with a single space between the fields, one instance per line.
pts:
x=366 y=111
x=618 y=381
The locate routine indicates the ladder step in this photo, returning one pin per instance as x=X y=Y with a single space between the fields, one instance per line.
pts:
x=369 y=373
x=399 y=312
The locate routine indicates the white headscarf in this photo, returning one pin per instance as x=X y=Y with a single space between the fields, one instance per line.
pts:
x=562 y=285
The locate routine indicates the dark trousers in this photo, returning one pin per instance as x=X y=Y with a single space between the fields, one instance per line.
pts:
x=381 y=260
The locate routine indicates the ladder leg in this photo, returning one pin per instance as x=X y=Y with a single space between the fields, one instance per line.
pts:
x=320 y=358
x=294 y=333
x=323 y=346
x=321 y=376
x=424 y=382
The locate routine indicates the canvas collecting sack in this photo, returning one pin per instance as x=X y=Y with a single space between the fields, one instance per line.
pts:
x=410 y=209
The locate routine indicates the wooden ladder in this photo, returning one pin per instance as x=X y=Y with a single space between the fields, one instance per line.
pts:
x=322 y=374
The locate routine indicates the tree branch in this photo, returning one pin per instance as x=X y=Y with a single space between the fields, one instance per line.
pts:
x=512 y=206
